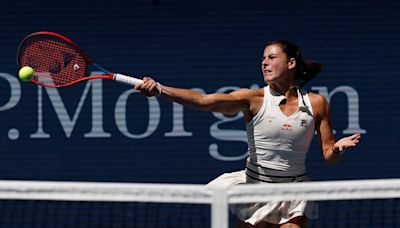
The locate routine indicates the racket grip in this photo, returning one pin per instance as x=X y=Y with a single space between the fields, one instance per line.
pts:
x=127 y=79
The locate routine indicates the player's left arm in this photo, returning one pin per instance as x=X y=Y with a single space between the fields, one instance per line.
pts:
x=332 y=150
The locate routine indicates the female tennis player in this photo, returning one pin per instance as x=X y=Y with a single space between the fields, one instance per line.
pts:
x=281 y=119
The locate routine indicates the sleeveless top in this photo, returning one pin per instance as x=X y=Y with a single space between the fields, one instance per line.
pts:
x=278 y=144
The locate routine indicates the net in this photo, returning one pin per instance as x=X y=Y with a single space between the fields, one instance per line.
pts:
x=77 y=204
x=360 y=203
x=356 y=203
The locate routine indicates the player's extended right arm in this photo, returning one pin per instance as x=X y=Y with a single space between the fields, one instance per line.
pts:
x=231 y=103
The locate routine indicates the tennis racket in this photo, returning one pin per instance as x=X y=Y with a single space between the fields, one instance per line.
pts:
x=59 y=62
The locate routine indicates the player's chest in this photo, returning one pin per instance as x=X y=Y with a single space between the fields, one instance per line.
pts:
x=276 y=124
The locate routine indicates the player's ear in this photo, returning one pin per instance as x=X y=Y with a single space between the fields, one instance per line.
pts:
x=292 y=63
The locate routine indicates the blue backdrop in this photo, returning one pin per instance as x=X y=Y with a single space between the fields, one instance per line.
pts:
x=104 y=131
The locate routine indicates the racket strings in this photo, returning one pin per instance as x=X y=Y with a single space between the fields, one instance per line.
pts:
x=56 y=62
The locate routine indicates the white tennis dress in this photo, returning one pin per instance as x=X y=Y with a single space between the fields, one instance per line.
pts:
x=278 y=145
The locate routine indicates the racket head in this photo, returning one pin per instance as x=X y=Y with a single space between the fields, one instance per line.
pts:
x=57 y=60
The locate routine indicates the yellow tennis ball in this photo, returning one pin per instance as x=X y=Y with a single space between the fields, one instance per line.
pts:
x=26 y=73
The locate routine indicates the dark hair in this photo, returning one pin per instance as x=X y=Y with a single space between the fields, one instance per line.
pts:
x=305 y=70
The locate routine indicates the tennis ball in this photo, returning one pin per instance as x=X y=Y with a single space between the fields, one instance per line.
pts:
x=26 y=73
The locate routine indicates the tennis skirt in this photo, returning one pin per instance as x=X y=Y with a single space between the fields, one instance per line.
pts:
x=272 y=212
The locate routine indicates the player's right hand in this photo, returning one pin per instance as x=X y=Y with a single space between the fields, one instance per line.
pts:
x=149 y=87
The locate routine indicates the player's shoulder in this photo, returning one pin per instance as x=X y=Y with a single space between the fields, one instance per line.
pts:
x=319 y=103
x=316 y=98
x=246 y=93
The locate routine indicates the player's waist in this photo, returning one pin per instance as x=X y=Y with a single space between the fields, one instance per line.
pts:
x=253 y=177
x=265 y=174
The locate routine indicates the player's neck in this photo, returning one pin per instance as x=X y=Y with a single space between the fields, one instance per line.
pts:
x=284 y=89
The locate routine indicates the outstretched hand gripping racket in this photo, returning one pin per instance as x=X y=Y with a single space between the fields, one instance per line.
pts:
x=59 y=62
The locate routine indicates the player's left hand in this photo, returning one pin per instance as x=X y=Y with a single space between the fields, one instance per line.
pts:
x=346 y=142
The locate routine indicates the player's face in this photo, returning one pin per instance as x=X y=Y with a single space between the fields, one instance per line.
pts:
x=275 y=65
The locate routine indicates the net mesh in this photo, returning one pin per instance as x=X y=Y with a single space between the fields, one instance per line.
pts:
x=43 y=213
x=368 y=203
x=358 y=213
x=55 y=61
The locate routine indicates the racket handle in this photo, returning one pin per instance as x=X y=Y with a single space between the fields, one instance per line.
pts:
x=127 y=79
